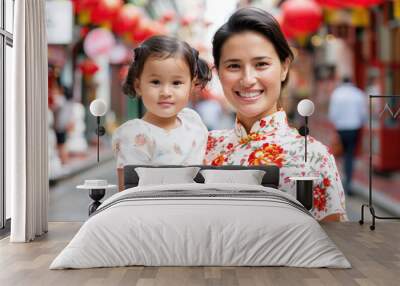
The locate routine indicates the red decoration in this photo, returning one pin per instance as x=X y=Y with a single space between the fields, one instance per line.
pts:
x=105 y=11
x=167 y=17
x=349 y=3
x=332 y=3
x=84 y=5
x=289 y=34
x=84 y=9
x=147 y=29
x=88 y=67
x=127 y=20
x=285 y=29
x=123 y=72
x=84 y=31
x=186 y=21
x=301 y=17
x=365 y=3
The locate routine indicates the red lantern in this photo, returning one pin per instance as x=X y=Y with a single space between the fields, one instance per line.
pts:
x=289 y=34
x=127 y=19
x=147 y=29
x=364 y=3
x=142 y=31
x=332 y=3
x=88 y=67
x=285 y=30
x=84 y=5
x=302 y=16
x=84 y=9
x=105 y=11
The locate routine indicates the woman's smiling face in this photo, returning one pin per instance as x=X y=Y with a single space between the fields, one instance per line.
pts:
x=251 y=74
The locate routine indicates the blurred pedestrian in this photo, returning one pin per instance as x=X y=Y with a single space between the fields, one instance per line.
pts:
x=210 y=111
x=63 y=109
x=348 y=112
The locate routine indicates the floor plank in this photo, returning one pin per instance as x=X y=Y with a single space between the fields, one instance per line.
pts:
x=374 y=255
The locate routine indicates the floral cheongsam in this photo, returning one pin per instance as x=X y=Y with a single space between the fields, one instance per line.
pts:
x=137 y=142
x=272 y=141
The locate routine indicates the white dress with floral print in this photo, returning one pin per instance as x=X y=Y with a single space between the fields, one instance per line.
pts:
x=272 y=141
x=139 y=142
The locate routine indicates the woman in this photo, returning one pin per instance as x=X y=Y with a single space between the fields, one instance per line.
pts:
x=252 y=58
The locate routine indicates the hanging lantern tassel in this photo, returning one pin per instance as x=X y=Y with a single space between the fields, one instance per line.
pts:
x=302 y=39
x=88 y=67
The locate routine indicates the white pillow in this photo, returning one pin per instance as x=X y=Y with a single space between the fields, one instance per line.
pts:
x=249 y=177
x=166 y=176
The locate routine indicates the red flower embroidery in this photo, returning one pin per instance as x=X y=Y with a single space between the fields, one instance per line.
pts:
x=320 y=198
x=219 y=160
x=262 y=123
x=253 y=136
x=266 y=155
x=326 y=182
x=229 y=146
x=211 y=142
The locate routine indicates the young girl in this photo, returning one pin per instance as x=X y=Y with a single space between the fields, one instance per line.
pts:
x=164 y=73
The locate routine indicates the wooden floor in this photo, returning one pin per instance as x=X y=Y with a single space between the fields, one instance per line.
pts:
x=374 y=255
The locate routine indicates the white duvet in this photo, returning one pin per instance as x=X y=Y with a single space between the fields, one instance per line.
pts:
x=184 y=230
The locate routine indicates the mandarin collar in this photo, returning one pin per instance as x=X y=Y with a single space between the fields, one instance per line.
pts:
x=267 y=124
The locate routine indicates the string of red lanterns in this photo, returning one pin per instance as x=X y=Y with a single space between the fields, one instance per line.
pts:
x=301 y=18
x=125 y=20
x=349 y=3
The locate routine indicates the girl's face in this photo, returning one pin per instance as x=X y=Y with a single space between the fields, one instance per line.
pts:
x=251 y=74
x=165 y=86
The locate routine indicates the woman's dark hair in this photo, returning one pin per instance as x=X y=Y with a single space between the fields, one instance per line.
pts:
x=256 y=20
x=164 y=47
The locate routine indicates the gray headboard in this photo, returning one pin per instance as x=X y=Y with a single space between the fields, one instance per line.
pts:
x=270 y=179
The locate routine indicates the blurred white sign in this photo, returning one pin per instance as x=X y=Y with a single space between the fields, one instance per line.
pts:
x=59 y=21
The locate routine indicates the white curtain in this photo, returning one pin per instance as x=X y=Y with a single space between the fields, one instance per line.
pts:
x=26 y=124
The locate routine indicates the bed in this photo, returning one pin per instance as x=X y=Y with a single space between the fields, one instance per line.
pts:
x=201 y=224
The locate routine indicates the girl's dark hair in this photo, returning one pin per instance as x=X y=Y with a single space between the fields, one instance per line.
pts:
x=256 y=20
x=165 y=47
